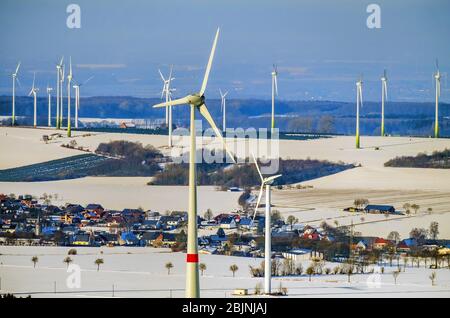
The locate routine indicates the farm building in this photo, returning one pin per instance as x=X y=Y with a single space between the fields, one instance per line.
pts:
x=372 y=208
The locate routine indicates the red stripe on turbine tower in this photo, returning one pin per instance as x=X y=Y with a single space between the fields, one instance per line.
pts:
x=192 y=258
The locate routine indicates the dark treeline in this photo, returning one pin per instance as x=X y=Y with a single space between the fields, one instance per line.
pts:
x=246 y=175
x=438 y=160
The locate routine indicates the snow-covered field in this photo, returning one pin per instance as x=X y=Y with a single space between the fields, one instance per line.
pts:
x=141 y=272
x=430 y=188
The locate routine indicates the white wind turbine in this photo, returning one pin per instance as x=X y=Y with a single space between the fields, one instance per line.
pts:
x=69 y=88
x=437 y=80
x=33 y=92
x=77 y=98
x=274 y=92
x=14 y=79
x=61 y=95
x=359 y=103
x=223 y=108
x=384 y=95
x=196 y=101
x=49 y=93
x=58 y=92
x=166 y=91
x=266 y=183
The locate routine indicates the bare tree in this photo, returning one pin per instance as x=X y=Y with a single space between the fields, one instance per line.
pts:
x=35 y=259
x=395 y=275
x=432 y=277
x=169 y=266
x=234 y=268
x=434 y=230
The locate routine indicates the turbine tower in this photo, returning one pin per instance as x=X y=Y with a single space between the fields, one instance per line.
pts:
x=49 y=93
x=33 y=92
x=61 y=97
x=196 y=101
x=358 y=105
x=274 y=92
x=437 y=80
x=14 y=79
x=69 y=80
x=223 y=108
x=166 y=90
x=383 y=99
x=266 y=183
x=58 y=84
x=77 y=98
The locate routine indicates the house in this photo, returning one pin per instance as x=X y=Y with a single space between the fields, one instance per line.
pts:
x=165 y=222
x=372 y=208
x=402 y=247
x=128 y=238
x=380 y=243
x=96 y=208
x=228 y=223
x=125 y=125
x=181 y=214
x=164 y=239
x=300 y=254
x=246 y=223
x=84 y=239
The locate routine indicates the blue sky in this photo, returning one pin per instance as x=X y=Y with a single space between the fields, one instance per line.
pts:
x=320 y=47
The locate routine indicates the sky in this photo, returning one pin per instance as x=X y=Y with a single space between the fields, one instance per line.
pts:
x=320 y=47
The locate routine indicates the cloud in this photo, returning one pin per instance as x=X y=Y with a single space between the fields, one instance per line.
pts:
x=101 y=66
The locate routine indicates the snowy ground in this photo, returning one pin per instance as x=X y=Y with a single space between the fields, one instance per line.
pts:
x=140 y=272
x=430 y=188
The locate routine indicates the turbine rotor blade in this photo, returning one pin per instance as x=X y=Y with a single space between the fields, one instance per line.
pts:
x=258 y=200
x=17 y=69
x=385 y=90
x=276 y=85
x=257 y=167
x=180 y=101
x=208 y=67
x=205 y=113
x=162 y=77
x=270 y=179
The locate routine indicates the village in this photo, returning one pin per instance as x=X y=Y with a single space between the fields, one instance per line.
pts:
x=29 y=221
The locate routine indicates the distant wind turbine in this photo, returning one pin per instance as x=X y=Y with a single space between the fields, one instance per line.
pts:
x=58 y=92
x=266 y=183
x=14 y=79
x=49 y=93
x=69 y=88
x=61 y=95
x=437 y=79
x=33 y=92
x=77 y=98
x=274 y=92
x=196 y=101
x=359 y=103
x=383 y=99
x=223 y=108
x=166 y=91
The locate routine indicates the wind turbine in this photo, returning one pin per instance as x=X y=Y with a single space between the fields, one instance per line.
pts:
x=49 y=93
x=58 y=85
x=266 y=182
x=33 y=92
x=383 y=99
x=14 y=79
x=196 y=101
x=69 y=80
x=77 y=98
x=358 y=105
x=167 y=92
x=437 y=79
x=274 y=92
x=223 y=108
x=61 y=97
